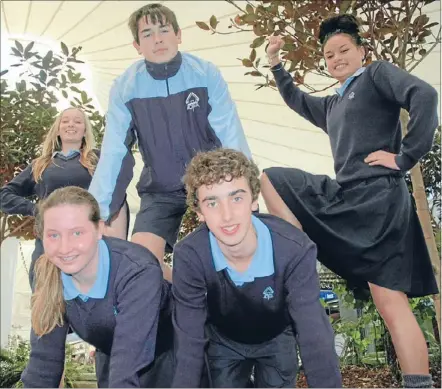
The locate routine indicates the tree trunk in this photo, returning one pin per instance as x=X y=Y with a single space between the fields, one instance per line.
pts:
x=423 y=211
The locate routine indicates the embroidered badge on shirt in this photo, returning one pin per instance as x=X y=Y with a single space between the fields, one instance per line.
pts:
x=268 y=293
x=351 y=96
x=192 y=101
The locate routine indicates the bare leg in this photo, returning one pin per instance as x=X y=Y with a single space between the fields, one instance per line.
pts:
x=118 y=226
x=408 y=339
x=275 y=204
x=157 y=246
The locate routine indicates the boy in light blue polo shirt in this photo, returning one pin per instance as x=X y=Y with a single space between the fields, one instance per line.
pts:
x=244 y=286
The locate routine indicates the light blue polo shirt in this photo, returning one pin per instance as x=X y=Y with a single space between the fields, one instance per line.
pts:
x=69 y=154
x=98 y=290
x=340 y=91
x=262 y=261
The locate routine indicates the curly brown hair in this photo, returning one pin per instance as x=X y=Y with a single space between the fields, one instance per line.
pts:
x=218 y=165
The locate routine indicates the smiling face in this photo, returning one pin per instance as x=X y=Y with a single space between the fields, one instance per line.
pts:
x=158 y=42
x=70 y=239
x=72 y=127
x=343 y=56
x=227 y=208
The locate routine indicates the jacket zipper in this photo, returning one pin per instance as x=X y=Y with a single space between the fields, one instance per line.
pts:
x=167 y=80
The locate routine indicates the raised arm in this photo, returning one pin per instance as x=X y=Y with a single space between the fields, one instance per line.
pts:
x=138 y=295
x=312 y=108
x=314 y=333
x=419 y=99
x=223 y=117
x=189 y=318
x=115 y=167
x=13 y=195
x=46 y=362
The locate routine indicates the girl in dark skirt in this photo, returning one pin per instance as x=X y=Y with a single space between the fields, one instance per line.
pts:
x=364 y=222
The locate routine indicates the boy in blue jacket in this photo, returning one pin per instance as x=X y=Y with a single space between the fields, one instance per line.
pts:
x=174 y=105
x=245 y=285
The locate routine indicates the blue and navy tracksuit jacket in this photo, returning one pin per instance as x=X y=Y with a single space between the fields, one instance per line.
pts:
x=173 y=110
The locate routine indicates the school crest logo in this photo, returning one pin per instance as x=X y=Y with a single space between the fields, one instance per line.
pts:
x=351 y=96
x=268 y=293
x=192 y=101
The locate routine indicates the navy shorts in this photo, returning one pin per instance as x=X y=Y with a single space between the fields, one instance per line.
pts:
x=161 y=214
x=274 y=363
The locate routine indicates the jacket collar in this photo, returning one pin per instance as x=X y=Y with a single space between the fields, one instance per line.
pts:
x=162 y=71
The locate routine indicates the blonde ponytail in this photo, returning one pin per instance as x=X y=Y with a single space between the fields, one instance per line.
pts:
x=47 y=301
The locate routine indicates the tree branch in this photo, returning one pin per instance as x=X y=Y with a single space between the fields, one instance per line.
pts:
x=20 y=226
x=232 y=2
x=3 y=227
x=370 y=27
x=384 y=46
x=438 y=41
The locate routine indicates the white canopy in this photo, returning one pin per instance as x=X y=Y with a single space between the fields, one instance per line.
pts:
x=277 y=136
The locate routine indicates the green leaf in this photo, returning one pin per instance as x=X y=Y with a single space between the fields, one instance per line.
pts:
x=258 y=42
x=16 y=52
x=250 y=9
x=52 y=82
x=299 y=27
x=247 y=63
x=74 y=60
x=29 y=47
x=344 y=6
x=84 y=98
x=47 y=60
x=65 y=49
x=56 y=62
x=71 y=76
x=203 y=26
x=431 y=25
x=19 y=46
x=20 y=86
x=213 y=21
x=43 y=76
x=249 y=18
x=28 y=54
x=252 y=55
x=421 y=20
x=75 y=89
x=3 y=72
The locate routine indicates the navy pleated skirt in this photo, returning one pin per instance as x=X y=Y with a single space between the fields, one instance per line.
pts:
x=366 y=231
